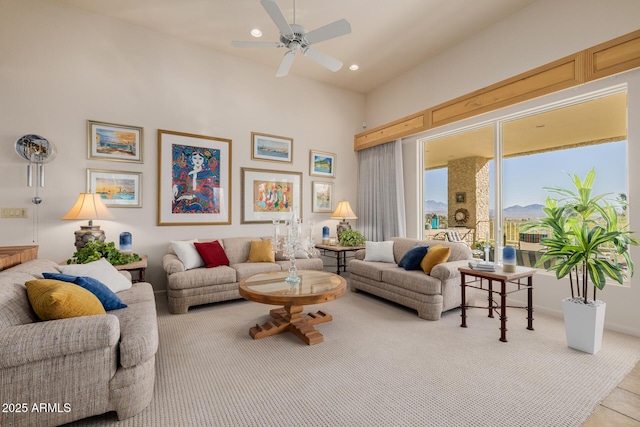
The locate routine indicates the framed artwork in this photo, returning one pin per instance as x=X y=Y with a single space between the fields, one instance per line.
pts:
x=461 y=197
x=269 y=195
x=322 y=164
x=321 y=196
x=271 y=148
x=194 y=179
x=109 y=141
x=118 y=189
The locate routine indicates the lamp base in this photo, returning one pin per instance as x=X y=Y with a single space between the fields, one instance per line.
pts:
x=88 y=233
x=342 y=226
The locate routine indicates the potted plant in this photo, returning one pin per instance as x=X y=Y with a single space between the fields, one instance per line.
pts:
x=94 y=250
x=587 y=243
x=351 y=237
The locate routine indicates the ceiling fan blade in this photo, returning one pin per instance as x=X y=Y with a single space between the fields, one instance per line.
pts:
x=277 y=17
x=285 y=65
x=255 y=44
x=329 y=31
x=322 y=59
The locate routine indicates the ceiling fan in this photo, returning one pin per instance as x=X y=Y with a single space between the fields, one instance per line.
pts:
x=296 y=38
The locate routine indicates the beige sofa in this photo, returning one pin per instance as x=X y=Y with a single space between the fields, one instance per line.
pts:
x=429 y=294
x=186 y=288
x=73 y=368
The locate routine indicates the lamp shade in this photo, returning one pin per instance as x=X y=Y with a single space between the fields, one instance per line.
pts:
x=89 y=206
x=344 y=211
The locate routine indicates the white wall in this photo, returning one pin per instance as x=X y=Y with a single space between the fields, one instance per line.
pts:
x=541 y=33
x=60 y=66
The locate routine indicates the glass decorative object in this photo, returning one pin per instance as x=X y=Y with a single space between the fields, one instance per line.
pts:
x=125 y=242
x=292 y=243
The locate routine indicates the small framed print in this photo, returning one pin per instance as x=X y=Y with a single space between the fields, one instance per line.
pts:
x=321 y=196
x=271 y=148
x=269 y=195
x=461 y=197
x=117 y=189
x=109 y=141
x=322 y=164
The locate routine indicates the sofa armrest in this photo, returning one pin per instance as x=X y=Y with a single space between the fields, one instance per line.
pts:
x=360 y=254
x=172 y=264
x=448 y=270
x=54 y=338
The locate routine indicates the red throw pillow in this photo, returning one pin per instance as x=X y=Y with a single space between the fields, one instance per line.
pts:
x=212 y=253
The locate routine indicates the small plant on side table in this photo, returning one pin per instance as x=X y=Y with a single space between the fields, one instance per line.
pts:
x=351 y=237
x=95 y=250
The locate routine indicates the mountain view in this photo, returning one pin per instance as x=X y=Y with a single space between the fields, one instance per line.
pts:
x=515 y=212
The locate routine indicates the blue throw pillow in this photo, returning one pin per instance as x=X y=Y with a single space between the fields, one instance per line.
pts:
x=411 y=260
x=109 y=300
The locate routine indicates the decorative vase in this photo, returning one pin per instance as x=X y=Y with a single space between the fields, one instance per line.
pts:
x=584 y=324
x=125 y=242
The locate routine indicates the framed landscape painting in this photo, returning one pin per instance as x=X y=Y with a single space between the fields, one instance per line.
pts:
x=269 y=195
x=194 y=179
x=271 y=148
x=321 y=196
x=322 y=164
x=109 y=141
x=117 y=189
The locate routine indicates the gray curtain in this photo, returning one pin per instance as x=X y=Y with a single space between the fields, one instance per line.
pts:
x=381 y=209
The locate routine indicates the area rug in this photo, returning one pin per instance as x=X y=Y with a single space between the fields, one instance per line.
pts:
x=379 y=365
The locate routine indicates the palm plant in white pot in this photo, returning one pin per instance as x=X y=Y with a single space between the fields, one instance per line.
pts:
x=588 y=244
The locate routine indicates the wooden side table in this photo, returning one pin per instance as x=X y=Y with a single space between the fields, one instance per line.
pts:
x=138 y=266
x=504 y=279
x=340 y=253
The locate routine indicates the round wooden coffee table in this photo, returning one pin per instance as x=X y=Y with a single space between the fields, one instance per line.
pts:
x=315 y=287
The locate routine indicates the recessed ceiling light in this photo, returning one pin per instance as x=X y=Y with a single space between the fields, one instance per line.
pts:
x=353 y=67
x=256 y=32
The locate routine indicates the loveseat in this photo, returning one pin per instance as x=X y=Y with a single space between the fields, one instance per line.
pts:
x=187 y=287
x=57 y=371
x=429 y=294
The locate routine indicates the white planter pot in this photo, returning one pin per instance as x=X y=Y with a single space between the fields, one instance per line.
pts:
x=584 y=324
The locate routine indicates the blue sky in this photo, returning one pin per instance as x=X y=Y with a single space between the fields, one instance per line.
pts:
x=525 y=176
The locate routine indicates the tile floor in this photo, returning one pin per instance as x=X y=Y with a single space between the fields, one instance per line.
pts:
x=622 y=407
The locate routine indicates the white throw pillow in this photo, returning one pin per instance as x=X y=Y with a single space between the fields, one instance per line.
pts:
x=100 y=270
x=187 y=253
x=379 y=251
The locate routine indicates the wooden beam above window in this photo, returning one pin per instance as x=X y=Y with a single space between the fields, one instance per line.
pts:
x=613 y=57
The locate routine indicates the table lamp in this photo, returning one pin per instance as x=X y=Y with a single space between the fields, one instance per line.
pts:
x=343 y=212
x=88 y=206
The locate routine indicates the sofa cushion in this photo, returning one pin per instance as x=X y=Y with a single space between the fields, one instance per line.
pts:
x=187 y=253
x=246 y=269
x=402 y=245
x=100 y=270
x=411 y=260
x=212 y=254
x=109 y=300
x=201 y=277
x=379 y=251
x=261 y=251
x=437 y=254
x=237 y=249
x=415 y=281
x=370 y=270
x=54 y=299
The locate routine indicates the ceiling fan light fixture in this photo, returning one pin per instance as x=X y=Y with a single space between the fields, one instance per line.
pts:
x=256 y=33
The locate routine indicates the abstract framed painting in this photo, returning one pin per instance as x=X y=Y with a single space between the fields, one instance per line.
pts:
x=322 y=164
x=194 y=179
x=321 y=196
x=117 y=189
x=113 y=142
x=269 y=195
x=271 y=148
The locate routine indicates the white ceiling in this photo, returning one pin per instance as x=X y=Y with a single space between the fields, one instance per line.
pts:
x=387 y=39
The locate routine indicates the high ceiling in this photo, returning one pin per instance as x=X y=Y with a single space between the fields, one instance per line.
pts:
x=387 y=39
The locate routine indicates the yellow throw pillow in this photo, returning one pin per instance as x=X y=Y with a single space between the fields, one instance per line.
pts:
x=435 y=255
x=54 y=299
x=261 y=251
